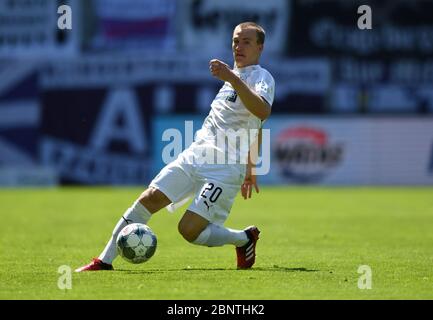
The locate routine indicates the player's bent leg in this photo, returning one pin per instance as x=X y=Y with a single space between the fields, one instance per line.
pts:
x=191 y=226
x=213 y=203
x=213 y=235
x=198 y=230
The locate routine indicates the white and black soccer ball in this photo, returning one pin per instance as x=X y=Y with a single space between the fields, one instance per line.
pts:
x=136 y=243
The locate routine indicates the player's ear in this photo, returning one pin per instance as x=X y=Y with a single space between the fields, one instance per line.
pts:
x=261 y=47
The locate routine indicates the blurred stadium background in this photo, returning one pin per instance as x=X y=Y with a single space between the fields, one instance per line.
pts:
x=88 y=106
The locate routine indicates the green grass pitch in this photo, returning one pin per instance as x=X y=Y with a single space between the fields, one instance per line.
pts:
x=313 y=240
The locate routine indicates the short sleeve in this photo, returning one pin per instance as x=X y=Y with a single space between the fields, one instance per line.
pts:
x=264 y=85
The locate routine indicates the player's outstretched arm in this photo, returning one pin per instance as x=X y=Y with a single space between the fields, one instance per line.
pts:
x=252 y=101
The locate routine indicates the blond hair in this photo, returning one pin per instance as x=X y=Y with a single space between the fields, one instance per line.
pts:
x=259 y=30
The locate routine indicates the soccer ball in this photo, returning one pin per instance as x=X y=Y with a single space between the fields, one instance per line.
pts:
x=136 y=243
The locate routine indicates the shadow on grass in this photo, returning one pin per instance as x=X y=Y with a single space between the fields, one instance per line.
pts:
x=254 y=269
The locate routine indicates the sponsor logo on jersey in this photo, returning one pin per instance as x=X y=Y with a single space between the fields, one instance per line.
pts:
x=227 y=95
x=305 y=154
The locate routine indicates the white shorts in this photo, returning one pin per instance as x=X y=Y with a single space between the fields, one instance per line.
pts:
x=213 y=186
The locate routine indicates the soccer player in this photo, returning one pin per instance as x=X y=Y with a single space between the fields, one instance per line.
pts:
x=243 y=103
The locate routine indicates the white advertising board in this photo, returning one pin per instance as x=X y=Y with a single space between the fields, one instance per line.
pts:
x=351 y=151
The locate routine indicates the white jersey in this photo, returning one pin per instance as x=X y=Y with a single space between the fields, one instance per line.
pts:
x=216 y=183
x=229 y=115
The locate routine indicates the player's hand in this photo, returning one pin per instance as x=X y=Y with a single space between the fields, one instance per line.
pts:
x=247 y=187
x=221 y=70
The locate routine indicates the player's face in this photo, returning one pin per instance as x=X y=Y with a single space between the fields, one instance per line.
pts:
x=246 y=50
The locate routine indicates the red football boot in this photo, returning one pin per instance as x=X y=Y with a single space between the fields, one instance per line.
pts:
x=95 y=265
x=247 y=254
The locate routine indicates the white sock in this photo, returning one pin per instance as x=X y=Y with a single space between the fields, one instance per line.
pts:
x=137 y=213
x=216 y=236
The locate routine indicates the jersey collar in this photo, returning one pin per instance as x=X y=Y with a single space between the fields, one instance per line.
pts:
x=247 y=68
